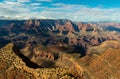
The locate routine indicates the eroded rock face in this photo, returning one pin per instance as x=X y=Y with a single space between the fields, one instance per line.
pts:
x=40 y=57
x=85 y=27
x=43 y=44
x=14 y=66
x=48 y=32
x=107 y=64
x=104 y=47
x=68 y=27
x=103 y=59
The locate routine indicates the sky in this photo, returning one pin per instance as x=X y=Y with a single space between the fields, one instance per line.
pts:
x=75 y=10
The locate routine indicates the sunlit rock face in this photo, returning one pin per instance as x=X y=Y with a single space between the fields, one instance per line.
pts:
x=66 y=47
x=14 y=65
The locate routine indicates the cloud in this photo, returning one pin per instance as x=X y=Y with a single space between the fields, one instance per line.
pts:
x=43 y=0
x=36 y=4
x=23 y=0
x=10 y=0
x=67 y=5
x=16 y=0
x=13 y=10
x=20 y=10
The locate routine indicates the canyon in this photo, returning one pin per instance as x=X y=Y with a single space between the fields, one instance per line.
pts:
x=74 y=50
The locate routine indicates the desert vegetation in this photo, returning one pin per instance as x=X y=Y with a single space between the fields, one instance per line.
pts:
x=12 y=67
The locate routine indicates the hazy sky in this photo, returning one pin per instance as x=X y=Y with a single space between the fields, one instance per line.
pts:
x=76 y=10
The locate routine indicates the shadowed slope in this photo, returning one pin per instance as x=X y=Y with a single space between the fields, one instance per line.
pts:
x=12 y=67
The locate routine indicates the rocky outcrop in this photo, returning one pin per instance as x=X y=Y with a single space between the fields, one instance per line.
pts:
x=104 y=47
x=14 y=67
x=107 y=65
x=43 y=47
x=54 y=32
x=85 y=27
x=28 y=22
x=68 y=27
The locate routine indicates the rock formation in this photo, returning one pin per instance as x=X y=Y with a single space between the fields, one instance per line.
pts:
x=14 y=67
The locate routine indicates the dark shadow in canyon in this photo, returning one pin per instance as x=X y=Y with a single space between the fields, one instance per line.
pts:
x=25 y=59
